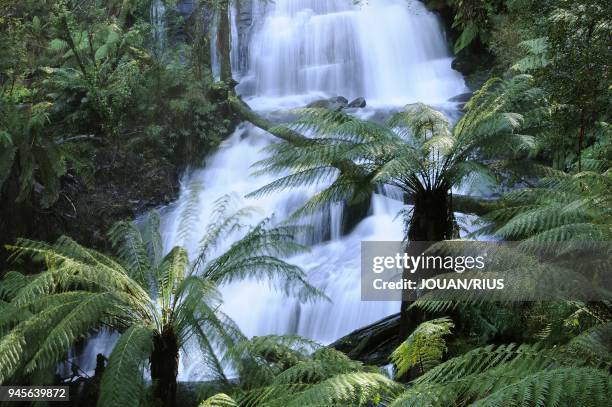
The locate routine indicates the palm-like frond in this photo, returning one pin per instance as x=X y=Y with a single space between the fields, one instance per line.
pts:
x=567 y=386
x=594 y=345
x=256 y=255
x=131 y=249
x=123 y=381
x=290 y=370
x=507 y=375
x=265 y=357
x=325 y=363
x=562 y=207
x=357 y=389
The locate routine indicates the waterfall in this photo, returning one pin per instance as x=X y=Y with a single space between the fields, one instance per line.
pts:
x=392 y=52
x=157 y=13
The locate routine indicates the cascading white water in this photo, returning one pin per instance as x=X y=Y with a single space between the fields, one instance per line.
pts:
x=390 y=51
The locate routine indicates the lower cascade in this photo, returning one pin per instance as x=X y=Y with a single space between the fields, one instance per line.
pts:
x=391 y=52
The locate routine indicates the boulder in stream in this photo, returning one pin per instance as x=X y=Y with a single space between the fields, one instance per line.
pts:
x=335 y=103
x=358 y=102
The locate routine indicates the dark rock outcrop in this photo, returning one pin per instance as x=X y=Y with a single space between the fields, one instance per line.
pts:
x=358 y=102
x=372 y=344
x=461 y=98
x=353 y=214
x=465 y=63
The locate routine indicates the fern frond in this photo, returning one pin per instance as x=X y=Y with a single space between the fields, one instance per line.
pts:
x=325 y=363
x=123 y=382
x=357 y=389
x=86 y=314
x=424 y=347
x=594 y=345
x=219 y=400
x=130 y=246
x=567 y=386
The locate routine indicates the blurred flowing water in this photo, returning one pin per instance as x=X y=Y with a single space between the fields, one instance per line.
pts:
x=157 y=13
x=392 y=52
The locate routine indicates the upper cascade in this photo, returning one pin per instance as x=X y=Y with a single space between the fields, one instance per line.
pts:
x=391 y=52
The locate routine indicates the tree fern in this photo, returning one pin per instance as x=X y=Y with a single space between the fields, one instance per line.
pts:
x=424 y=348
x=154 y=302
x=290 y=370
x=416 y=150
x=492 y=375
x=562 y=207
x=265 y=357
x=358 y=389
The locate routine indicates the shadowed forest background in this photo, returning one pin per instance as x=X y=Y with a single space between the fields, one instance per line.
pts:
x=109 y=107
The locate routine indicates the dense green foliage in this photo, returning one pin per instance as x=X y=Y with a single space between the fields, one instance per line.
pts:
x=564 y=44
x=293 y=371
x=525 y=375
x=85 y=100
x=88 y=98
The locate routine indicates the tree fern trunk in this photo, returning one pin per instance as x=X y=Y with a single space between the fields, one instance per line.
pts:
x=432 y=218
x=432 y=221
x=164 y=367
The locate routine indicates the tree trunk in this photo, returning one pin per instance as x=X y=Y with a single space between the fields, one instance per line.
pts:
x=224 y=42
x=432 y=218
x=432 y=221
x=201 y=44
x=164 y=367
